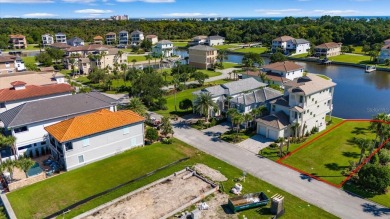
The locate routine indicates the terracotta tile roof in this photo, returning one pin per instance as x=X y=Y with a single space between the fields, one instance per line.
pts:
x=33 y=78
x=278 y=120
x=283 y=38
x=285 y=66
x=18 y=83
x=7 y=58
x=93 y=123
x=31 y=91
x=16 y=36
x=91 y=47
x=270 y=76
x=150 y=36
x=111 y=33
x=60 y=45
x=98 y=38
x=328 y=45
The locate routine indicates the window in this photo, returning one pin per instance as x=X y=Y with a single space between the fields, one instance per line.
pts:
x=68 y=146
x=126 y=130
x=81 y=159
x=43 y=142
x=85 y=142
x=21 y=129
x=312 y=99
x=273 y=107
x=301 y=99
x=25 y=147
x=2 y=105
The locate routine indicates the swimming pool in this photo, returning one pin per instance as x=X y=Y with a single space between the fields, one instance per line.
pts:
x=34 y=170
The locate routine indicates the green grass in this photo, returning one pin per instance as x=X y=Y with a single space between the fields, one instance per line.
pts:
x=383 y=199
x=272 y=153
x=180 y=43
x=234 y=137
x=252 y=49
x=329 y=155
x=323 y=76
x=303 y=55
x=137 y=58
x=225 y=46
x=231 y=65
x=210 y=73
x=358 y=50
x=45 y=197
x=355 y=59
x=29 y=60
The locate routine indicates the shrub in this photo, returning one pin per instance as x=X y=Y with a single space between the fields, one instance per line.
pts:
x=384 y=156
x=273 y=145
x=151 y=134
x=374 y=159
x=213 y=122
x=374 y=178
x=314 y=130
x=166 y=141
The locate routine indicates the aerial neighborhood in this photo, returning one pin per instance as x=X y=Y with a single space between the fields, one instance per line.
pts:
x=182 y=117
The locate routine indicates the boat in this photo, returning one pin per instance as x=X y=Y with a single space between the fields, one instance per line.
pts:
x=370 y=68
x=248 y=201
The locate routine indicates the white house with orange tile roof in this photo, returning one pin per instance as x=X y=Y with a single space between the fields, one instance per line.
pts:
x=288 y=44
x=87 y=138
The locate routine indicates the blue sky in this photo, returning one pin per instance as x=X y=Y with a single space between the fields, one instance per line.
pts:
x=190 y=8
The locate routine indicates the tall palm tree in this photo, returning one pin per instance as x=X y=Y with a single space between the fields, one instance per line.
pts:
x=247 y=118
x=379 y=127
x=231 y=113
x=136 y=105
x=363 y=145
x=281 y=144
x=103 y=56
x=3 y=144
x=295 y=128
x=119 y=54
x=9 y=165
x=25 y=164
x=176 y=83
x=124 y=69
x=11 y=142
x=222 y=55
x=203 y=104
x=238 y=119
x=165 y=75
x=148 y=58
x=263 y=76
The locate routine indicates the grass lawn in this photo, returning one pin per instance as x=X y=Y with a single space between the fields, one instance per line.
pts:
x=356 y=59
x=29 y=60
x=45 y=197
x=329 y=155
x=303 y=55
x=231 y=65
x=225 y=46
x=210 y=73
x=234 y=137
x=138 y=58
x=252 y=49
x=358 y=50
x=180 y=43
x=383 y=199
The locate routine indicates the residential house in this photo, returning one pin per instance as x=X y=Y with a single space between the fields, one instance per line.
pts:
x=215 y=40
x=110 y=38
x=123 y=37
x=84 y=65
x=202 y=56
x=328 y=49
x=20 y=93
x=75 y=41
x=33 y=78
x=87 y=138
x=232 y=90
x=164 y=48
x=198 y=40
x=11 y=64
x=307 y=100
x=27 y=121
x=290 y=45
x=62 y=46
x=385 y=52
x=47 y=39
x=18 y=41
x=98 y=40
x=120 y=17
x=152 y=38
x=136 y=37
x=60 y=37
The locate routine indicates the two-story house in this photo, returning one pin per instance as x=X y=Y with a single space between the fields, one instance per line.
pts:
x=60 y=37
x=307 y=100
x=18 y=41
x=198 y=40
x=136 y=37
x=202 y=56
x=21 y=93
x=98 y=40
x=328 y=49
x=289 y=45
x=87 y=138
x=152 y=38
x=11 y=64
x=27 y=121
x=75 y=41
x=215 y=40
x=163 y=47
x=123 y=37
x=110 y=38
x=385 y=52
x=47 y=39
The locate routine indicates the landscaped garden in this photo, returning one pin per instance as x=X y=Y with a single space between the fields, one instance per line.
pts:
x=43 y=198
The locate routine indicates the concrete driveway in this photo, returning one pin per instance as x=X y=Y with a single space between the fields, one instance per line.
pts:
x=255 y=143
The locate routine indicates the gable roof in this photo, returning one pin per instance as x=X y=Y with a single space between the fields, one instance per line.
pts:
x=60 y=45
x=278 y=120
x=309 y=84
x=110 y=33
x=203 y=48
x=258 y=96
x=328 y=45
x=283 y=38
x=75 y=39
x=243 y=85
x=201 y=37
x=16 y=36
x=54 y=108
x=32 y=91
x=136 y=32
x=282 y=101
x=98 y=38
x=300 y=41
x=285 y=66
x=92 y=123
x=6 y=58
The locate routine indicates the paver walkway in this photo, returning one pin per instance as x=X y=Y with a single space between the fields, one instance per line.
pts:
x=318 y=193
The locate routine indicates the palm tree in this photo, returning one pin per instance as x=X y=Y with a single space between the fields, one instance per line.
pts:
x=238 y=119
x=363 y=145
x=103 y=56
x=11 y=142
x=119 y=54
x=263 y=76
x=124 y=69
x=72 y=61
x=165 y=75
x=295 y=129
x=230 y=75
x=149 y=57
x=303 y=129
x=9 y=165
x=25 y=164
x=222 y=55
x=3 y=144
x=134 y=61
x=166 y=126
x=136 y=105
x=258 y=112
x=281 y=144
x=176 y=84
x=247 y=118
x=232 y=112
x=379 y=127
x=203 y=104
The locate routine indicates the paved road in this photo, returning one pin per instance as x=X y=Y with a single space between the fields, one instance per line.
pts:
x=320 y=194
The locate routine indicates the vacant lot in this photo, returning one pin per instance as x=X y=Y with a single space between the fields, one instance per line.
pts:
x=330 y=154
x=136 y=58
x=355 y=59
x=252 y=49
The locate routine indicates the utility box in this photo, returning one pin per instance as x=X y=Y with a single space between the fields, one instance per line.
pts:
x=277 y=204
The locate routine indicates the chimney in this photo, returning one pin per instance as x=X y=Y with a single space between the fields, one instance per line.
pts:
x=18 y=85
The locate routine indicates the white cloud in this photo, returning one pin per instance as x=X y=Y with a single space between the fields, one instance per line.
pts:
x=148 y=1
x=93 y=11
x=39 y=15
x=277 y=11
x=78 y=1
x=194 y=14
x=335 y=12
x=26 y=1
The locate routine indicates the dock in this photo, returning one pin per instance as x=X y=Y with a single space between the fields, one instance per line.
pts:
x=370 y=68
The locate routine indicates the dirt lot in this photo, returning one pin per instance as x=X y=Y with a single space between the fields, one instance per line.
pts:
x=215 y=210
x=214 y=175
x=157 y=200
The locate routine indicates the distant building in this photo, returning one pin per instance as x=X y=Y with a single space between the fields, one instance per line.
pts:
x=136 y=37
x=11 y=64
x=110 y=38
x=87 y=138
x=123 y=37
x=202 y=56
x=215 y=40
x=120 y=17
x=75 y=41
x=152 y=38
x=198 y=40
x=60 y=37
x=98 y=40
x=163 y=47
x=328 y=49
x=18 y=41
x=385 y=52
x=59 y=46
x=290 y=45
x=47 y=39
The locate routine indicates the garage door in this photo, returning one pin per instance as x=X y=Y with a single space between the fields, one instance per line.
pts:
x=262 y=130
x=273 y=134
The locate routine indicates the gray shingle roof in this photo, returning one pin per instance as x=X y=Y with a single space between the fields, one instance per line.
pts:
x=278 y=120
x=123 y=31
x=300 y=41
x=43 y=110
x=164 y=42
x=258 y=96
x=203 y=48
x=136 y=32
x=244 y=85
x=216 y=37
x=282 y=101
